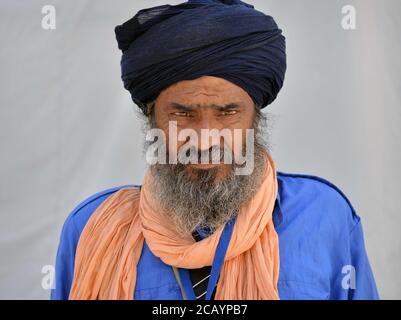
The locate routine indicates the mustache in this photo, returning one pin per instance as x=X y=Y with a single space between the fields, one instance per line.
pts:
x=214 y=154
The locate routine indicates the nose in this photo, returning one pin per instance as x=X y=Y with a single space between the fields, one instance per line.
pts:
x=207 y=130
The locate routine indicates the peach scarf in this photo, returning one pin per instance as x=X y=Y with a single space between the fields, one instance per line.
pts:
x=110 y=246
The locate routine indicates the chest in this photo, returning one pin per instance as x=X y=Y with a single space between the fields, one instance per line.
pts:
x=304 y=274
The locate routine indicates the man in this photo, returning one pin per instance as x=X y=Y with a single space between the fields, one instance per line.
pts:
x=230 y=228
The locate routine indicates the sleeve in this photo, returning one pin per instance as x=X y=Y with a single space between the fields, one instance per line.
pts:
x=64 y=270
x=363 y=285
x=71 y=231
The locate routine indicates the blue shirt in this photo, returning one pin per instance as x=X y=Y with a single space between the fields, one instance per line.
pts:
x=321 y=242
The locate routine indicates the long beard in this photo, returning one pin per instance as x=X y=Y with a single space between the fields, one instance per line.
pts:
x=194 y=199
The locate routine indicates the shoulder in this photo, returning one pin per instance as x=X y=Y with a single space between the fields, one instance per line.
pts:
x=79 y=216
x=316 y=197
x=71 y=231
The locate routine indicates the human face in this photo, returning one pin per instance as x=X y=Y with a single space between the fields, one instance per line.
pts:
x=205 y=103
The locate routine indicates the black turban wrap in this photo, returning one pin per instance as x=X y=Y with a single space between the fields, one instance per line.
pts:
x=227 y=39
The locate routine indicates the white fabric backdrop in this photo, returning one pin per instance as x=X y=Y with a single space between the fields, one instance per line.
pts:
x=68 y=128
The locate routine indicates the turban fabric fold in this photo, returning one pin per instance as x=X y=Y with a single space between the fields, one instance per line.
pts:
x=227 y=39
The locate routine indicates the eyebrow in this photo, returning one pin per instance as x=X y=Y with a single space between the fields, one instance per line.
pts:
x=188 y=108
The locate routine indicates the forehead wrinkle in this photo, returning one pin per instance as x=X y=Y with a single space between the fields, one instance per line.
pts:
x=191 y=106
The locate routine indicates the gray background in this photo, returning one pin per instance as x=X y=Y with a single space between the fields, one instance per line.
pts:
x=68 y=128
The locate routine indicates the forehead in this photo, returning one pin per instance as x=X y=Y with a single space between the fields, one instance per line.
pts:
x=204 y=90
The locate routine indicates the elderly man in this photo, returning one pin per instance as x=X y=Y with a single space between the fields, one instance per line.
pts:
x=201 y=229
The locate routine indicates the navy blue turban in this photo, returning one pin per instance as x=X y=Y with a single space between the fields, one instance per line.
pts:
x=227 y=39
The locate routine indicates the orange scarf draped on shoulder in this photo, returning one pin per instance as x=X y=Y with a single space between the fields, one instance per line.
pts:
x=111 y=243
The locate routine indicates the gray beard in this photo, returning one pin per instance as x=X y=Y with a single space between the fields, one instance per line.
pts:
x=198 y=199
x=204 y=201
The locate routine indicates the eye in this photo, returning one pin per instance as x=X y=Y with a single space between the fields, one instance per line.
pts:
x=229 y=112
x=181 y=114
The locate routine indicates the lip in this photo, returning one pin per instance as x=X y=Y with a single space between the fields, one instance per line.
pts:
x=204 y=166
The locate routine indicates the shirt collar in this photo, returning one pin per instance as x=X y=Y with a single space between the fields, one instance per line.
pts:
x=277 y=215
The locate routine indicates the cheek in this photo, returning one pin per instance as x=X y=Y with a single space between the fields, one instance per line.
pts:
x=235 y=140
x=162 y=121
x=238 y=143
x=173 y=144
x=239 y=126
